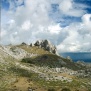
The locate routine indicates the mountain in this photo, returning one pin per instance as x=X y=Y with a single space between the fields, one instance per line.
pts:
x=38 y=67
x=46 y=45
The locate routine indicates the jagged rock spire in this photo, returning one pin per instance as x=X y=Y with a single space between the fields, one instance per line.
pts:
x=47 y=45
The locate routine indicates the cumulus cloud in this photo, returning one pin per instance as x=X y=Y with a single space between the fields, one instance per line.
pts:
x=68 y=7
x=79 y=35
x=26 y=25
x=29 y=20
x=3 y=33
x=54 y=29
x=87 y=21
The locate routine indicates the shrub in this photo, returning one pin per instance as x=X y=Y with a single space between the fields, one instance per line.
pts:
x=51 y=89
x=65 y=89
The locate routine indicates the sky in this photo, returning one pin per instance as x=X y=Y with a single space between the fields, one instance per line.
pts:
x=66 y=23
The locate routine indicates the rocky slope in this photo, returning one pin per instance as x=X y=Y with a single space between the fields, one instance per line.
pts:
x=46 y=45
x=38 y=67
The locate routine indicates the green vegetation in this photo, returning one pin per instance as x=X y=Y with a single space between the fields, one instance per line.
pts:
x=51 y=89
x=43 y=60
x=65 y=89
x=50 y=60
x=34 y=49
x=14 y=76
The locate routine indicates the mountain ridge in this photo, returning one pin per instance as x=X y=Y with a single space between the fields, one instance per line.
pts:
x=44 y=69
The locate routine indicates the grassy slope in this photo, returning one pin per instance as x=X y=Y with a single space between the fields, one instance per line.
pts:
x=15 y=78
x=46 y=58
x=34 y=49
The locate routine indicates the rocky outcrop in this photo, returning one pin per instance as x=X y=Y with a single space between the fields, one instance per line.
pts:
x=23 y=43
x=45 y=44
x=31 y=45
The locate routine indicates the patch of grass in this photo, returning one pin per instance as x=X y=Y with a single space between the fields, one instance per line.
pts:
x=3 y=86
x=34 y=49
x=50 y=60
x=72 y=65
x=51 y=57
x=51 y=89
x=20 y=71
x=65 y=89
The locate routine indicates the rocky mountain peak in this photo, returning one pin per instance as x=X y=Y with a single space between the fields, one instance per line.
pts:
x=47 y=45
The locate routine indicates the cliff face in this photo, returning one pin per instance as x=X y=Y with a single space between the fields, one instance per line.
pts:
x=46 y=45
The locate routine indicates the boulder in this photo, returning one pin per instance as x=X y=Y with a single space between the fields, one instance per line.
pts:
x=37 y=43
x=23 y=43
x=31 y=45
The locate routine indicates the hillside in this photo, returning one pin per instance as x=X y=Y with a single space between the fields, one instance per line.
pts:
x=38 y=67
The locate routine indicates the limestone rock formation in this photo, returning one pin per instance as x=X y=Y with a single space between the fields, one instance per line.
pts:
x=31 y=45
x=46 y=44
x=23 y=43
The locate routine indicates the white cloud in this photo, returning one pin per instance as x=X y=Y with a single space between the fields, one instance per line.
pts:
x=68 y=7
x=87 y=21
x=3 y=33
x=33 y=21
x=26 y=25
x=79 y=36
x=54 y=29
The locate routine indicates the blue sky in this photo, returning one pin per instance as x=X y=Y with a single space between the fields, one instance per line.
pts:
x=66 y=23
x=5 y=4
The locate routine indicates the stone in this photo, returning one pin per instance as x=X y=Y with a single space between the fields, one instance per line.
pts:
x=46 y=45
x=23 y=43
x=31 y=45
x=37 y=43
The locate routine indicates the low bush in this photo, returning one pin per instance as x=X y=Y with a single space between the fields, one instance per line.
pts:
x=51 y=89
x=65 y=89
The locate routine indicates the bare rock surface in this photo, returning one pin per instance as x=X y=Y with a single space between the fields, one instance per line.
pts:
x=47 y=45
